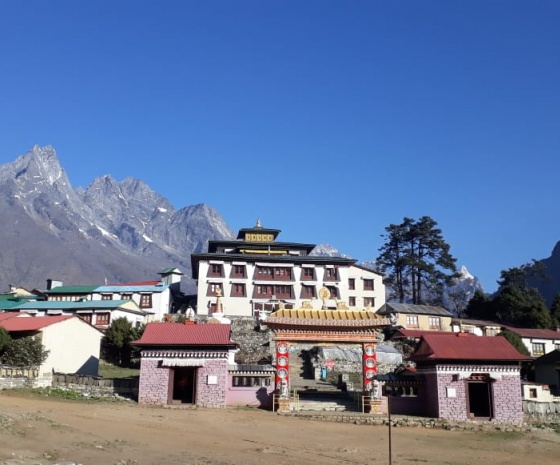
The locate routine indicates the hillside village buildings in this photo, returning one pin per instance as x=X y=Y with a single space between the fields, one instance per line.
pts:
x=308 y=302
x=256 y=274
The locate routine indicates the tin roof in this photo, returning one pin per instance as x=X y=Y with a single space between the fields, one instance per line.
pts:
x=463 y=346
x=71 y=290
x=148 y=286
x=177 y=334
x=535 y=333
x=31 y=323
x=394 y=307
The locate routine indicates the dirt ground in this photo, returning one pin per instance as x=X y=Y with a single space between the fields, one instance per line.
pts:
x=44 y=431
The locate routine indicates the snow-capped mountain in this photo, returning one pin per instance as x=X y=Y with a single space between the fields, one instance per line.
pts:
x=326 y=250
x=456 y=297
x=118 y=231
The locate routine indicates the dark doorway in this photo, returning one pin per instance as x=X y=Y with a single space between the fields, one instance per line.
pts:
x=480 y=400
x=183 y=385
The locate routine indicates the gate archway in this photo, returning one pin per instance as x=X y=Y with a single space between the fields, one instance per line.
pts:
x=341 y=327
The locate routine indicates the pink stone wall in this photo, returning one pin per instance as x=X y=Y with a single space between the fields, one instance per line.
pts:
x=452 y=408
x=154 y=383
x=505 y=392
x=508 y=404
x=212 y=395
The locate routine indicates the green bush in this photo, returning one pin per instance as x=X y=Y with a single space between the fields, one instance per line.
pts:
x=24 y=352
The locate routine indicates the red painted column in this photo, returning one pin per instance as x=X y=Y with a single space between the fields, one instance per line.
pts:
x=282 y=369
x=369 y=367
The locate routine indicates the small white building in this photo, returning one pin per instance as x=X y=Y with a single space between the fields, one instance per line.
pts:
x=74 y=345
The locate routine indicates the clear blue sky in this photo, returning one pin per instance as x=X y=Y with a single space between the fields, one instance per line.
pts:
x=328 y=120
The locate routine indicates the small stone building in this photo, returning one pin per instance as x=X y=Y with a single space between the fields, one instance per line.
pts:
x=465 y=377
x=185 y=363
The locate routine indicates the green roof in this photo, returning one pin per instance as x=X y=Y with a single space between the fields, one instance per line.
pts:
x=72 y=290
x=83 y=305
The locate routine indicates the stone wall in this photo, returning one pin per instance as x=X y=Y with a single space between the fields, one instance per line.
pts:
x=212 y=394
x=21 y=378
x=154 y=382
x=90 y=386
x=541 y=411
x=254 y=343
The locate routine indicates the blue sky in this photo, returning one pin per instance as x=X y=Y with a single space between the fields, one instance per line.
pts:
x=328 y=120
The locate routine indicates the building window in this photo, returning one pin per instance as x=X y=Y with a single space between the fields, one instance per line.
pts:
x=102 y=319
x=412 y=321
x=283 y=273
x=106 y=297
x=352 y=301
x=369 y=301
x=238 y=290
x=307 y=292
x=556 y=346
x=368 y=284
x=307 y=274
x=126 y=296
x=533 y=393
x=213 y=289
x=283 y=292
x=146 y=301
x=238 y=271
x=251 y=381
x=263 y=291
x=538 y=349
x=435 y=322
x=86 y=317
x=215 y=270
x=264 y=272
x=351 y=284
x=330 y=274
x=334 y=291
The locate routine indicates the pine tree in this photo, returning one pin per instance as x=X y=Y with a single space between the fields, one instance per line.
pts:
x=416 y=260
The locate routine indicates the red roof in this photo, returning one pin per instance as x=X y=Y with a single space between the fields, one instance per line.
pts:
x=418 y=333
x=462 y=346
x=535 y=333
x=174 y=334
x=5 y=316
x=33 y=323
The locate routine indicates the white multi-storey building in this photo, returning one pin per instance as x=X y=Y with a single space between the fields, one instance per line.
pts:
x=255 y=274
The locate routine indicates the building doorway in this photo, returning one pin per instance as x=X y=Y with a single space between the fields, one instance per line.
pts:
x=479 y=399
x=184 y=382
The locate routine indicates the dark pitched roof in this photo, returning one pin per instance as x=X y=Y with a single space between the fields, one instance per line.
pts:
x=535 y=333
x=553 y=356
x=394 y=307
x=463 y=346
x=176 y=334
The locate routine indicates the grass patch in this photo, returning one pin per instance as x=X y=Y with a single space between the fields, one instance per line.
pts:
x=106 y=370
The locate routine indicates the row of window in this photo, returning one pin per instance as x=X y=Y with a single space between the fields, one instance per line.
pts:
x=266 y=291
x=433 y=321
x=251 y=381
x=101 y=319
x=539 y=348
x=216 y=270
x=145 y=299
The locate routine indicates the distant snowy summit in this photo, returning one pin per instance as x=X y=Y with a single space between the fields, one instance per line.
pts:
x=326 y=250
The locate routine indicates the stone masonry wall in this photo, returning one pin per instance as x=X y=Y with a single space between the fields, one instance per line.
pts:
x=451 y=408
x=212 y=395
x=507 y=400
x=154 y=382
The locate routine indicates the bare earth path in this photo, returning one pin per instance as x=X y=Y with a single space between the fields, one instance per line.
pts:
x=37 y=431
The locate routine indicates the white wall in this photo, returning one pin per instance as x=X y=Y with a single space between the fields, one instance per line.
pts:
x=73 y=345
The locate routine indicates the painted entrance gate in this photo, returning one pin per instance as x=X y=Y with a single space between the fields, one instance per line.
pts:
x=325 y=327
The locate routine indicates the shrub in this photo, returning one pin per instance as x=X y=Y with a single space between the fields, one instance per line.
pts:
x=25 y=352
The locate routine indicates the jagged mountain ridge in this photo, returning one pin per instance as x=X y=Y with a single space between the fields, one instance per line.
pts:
x=114 y=231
